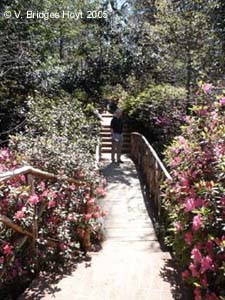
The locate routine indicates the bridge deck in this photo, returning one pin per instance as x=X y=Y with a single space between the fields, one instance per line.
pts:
x=129 y=265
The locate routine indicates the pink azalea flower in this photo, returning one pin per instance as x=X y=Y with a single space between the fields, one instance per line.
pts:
x=53 y=195
x=214 y=115
x=45 y=193
x=185 y=275
x=181 y=140
x=222 y=101
x=188 y=237
x=87 y=217
x=7 y=249
x=34 y=199
x=100 y=191
x=96 y=215
x=197 y=293
x=19 y=215
x=184 y=181
x=208 y=185
x=4 y=154
x=23 y=178
x=178 y=226
x=189 y=205
x=62 y=246
x=176 y=161
x=42 y=185
x=71 y=217
x=199 y=202
x=194 y=271
x=196 y=255
x=91 y=201
x=222 y=200
x=51 y=203
x=204 y=282
x=206 y=264
x=197 y=223
x=207 y=87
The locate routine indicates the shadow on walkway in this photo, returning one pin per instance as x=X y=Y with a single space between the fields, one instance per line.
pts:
x=115 y=174
x=169 y=272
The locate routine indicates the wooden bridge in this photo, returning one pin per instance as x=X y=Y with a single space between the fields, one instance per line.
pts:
x=131 y=264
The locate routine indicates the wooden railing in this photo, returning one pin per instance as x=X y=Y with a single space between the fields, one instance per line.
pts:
x=153 y=171
x=22 y=236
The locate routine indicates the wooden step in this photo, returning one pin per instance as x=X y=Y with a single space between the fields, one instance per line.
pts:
x=125 y=128
x=109 y=140
x=105 y=131
x=109 y=144
x=109 y=150
x=108 y=137
x=124 y=151
x=104 y=115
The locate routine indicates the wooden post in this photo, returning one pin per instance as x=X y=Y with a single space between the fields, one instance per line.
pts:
x=30 y=180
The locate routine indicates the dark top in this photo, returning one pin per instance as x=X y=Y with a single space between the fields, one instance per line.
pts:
x=117 y=125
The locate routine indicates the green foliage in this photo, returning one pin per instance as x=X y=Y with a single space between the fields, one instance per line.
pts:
x=58 y=136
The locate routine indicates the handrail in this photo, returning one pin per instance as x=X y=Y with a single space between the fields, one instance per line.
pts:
x=151 y=168
x=38 y=173
x=155 y=155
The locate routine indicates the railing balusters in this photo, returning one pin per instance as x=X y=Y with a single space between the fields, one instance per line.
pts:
x=151 y=167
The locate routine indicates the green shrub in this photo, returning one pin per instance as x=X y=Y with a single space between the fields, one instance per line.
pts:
x=158 y=112
x=59 y=137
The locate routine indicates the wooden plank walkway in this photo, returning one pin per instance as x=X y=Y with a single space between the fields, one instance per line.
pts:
x=129 y=265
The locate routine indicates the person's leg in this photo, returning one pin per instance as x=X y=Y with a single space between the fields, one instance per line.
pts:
x=113 y=150
x=119 y=149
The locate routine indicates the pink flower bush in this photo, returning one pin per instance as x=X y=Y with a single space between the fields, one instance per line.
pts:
x=100 y=192
x=19 y=215
x=34 y=199
x=195 y=197
x=51 y=203
x=188 y=237
x=196 y=255
x=178 y=226
x=222 y=101
x=197 y=223
x=63 y=226
x=7 y=249
x=189 y=205
x=206 y=264
x=207 y=88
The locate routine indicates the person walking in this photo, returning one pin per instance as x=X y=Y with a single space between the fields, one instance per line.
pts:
x=117 y=139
